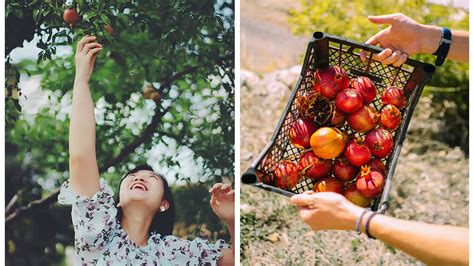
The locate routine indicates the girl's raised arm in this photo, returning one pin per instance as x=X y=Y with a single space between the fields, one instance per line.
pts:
x=84 y=172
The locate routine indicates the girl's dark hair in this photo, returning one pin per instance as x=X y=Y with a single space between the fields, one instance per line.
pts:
x=163 y=222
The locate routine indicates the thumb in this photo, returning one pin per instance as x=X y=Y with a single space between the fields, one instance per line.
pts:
x=384 y=19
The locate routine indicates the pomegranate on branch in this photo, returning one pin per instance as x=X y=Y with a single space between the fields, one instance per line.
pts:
x=71 y=17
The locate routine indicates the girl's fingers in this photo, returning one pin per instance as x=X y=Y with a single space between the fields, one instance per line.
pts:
x=90 y=46
x=401 y=60
x=215 y=187
x=94 y=51
x=230 y=195
x=213 y=202
x=86 y=39
x=226 y=188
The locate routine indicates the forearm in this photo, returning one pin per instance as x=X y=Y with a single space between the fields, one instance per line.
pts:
x=83 y=169
x=432 y=244
x=459 y=49
x=82 y=123
x=84 y=172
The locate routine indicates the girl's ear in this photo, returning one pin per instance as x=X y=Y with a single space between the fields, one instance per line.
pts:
x=164 y=205
x=119 y=204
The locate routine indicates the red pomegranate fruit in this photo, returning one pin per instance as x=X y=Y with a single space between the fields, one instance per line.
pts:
x=71 y=17
x=363 y=120
x=300 y=133
x=109 y=29
x=328 y=184
x=328 y=142
x=349 y=100
x=338 y=118
x=365 y=87
x=286 y=174
x=370 y=183
x=380 y=142
x=314 y=107
x=328 y=81
x=377 y=165
x=354 y=196
x=394 y=95
x=357 y=152
x=390 y=117
x=343 y=170
x=313 y=167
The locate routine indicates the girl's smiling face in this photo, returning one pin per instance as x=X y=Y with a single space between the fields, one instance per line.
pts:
x=144 y=187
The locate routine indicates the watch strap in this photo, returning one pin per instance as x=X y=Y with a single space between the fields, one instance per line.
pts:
x=443 y=48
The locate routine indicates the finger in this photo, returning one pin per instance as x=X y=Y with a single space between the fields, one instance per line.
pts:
x=403 y=58
x=392 y=58
x=89 y=46
x=309 y=192
x=384 y=19
x=94 y=51
x=213 y=200
x=86 y=39
x=231 y=194
x=224 y=195
x=374 y=40
x=226 y=188
x=215 y=187
x=302 y=200
x=94 y=56
x=306 y=213
x=383 y=55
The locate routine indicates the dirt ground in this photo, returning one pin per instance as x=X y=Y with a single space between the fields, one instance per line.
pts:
x=266 y=41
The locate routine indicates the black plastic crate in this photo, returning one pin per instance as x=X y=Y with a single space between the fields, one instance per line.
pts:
x=324 y=50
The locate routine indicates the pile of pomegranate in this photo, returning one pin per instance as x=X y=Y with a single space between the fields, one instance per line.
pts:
x=338 y=161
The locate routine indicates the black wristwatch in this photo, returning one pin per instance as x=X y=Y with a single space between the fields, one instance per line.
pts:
x=443 y=47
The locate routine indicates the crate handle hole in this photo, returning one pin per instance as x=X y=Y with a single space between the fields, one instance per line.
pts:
x=249 y=177
x=318 y=35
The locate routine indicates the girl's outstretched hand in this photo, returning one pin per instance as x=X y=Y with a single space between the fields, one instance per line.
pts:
x=86 y=53
x=223 y=201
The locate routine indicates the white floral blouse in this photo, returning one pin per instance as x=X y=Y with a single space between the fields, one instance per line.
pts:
x=100 y=240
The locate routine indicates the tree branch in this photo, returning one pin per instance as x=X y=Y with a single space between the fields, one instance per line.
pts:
x=36 y=204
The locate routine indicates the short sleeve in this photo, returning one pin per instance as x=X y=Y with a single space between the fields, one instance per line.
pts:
x=196 y=252
x=94 y=219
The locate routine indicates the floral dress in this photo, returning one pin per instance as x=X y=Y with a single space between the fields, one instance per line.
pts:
x=100 y=240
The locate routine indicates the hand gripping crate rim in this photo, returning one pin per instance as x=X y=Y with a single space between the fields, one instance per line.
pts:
x=419 y=77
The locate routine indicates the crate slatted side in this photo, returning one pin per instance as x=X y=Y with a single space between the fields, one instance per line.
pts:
x=347 y=58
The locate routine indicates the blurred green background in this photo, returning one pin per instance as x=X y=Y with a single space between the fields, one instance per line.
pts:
x=182 y=51
x=349 y=19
